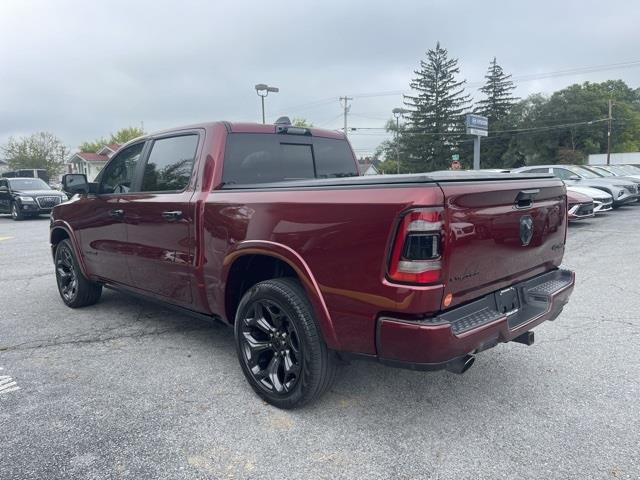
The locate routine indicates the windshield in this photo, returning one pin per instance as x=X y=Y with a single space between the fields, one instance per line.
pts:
x=584 y=172
x=630 y=169
x=619 y=170
x=28 y=184
x=603 y=171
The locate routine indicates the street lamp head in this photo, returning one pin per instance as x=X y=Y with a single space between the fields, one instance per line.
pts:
x=263 y=89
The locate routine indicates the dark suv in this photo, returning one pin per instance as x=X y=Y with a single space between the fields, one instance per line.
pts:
x=27 y=197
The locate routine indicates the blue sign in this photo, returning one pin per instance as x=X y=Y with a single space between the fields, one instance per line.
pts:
x=477 y=122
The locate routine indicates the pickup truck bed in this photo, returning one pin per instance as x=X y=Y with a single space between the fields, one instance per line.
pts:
x=421 y=271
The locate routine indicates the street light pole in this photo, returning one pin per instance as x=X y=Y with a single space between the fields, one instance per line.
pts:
x=398 y=112
x=262 y=89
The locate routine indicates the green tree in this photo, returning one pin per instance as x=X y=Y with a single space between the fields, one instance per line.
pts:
x=41 y=150
x=301 y=122
x=121 y=136
x=436 y=120
x=571 y=124
x=496 y=105
x=93 y=146
x=498 y=91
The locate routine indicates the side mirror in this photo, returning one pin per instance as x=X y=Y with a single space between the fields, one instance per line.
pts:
x=574 y=177
x=73 y=183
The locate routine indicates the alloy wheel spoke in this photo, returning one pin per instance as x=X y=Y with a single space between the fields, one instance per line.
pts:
x=273 y=368
x=290 y=367
x=256 y=346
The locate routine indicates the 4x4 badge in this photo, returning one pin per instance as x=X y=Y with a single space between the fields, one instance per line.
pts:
x=526 y=229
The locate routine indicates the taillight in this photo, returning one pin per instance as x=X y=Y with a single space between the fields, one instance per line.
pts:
x=417 y=250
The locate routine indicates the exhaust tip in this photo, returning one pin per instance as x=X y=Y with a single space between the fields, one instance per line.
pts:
x=461 y=365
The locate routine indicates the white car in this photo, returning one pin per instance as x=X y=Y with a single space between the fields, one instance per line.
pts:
x=602 y=201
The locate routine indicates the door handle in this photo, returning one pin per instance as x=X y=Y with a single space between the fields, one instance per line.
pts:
x=116 y=213
x=172 y=215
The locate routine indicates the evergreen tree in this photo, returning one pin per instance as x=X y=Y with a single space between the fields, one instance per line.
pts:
x=436 y=119
x=498 y=90
x=497 y=107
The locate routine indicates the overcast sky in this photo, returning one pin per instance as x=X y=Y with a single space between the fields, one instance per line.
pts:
x=83 y=69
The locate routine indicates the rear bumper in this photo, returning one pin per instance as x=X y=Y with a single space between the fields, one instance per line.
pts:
x=433 y=343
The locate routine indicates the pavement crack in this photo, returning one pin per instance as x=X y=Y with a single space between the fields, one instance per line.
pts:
x=48 y=343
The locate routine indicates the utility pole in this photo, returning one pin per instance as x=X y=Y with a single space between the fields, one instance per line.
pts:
x=398 y=112
x=344 y=101
x=609 y=135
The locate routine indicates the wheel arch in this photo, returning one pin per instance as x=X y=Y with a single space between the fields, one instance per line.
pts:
x=58 y=233
x=255 y=261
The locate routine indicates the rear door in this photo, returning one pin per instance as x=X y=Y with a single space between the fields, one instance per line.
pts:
x=499 y=232
x=160 y=219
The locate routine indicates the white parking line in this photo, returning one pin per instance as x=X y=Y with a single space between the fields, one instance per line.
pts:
x=7 y=384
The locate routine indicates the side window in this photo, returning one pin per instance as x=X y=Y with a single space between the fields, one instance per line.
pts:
x=118 y=175
x=4 y=183
x=562 y=173
x=170 y=163
x=537 y=170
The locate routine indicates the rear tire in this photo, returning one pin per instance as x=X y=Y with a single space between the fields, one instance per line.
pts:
x=16 y=213
x=74 y=288
x=279 y=345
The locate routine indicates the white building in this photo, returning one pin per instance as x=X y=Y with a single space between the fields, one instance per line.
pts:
x=616 y=158
x=91 y=163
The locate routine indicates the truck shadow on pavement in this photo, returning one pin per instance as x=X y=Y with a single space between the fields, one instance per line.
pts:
x=360 y=385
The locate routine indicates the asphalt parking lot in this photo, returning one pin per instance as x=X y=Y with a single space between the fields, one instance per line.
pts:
x=126 y=389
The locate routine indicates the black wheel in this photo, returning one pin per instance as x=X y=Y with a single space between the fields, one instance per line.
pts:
x=16 y=213
x=75 y=290
x=280 y=347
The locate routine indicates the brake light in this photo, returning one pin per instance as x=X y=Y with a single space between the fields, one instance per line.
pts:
x=416 y=254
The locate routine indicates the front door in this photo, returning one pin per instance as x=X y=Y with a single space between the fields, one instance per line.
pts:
x=160 y=219
x=99 y=219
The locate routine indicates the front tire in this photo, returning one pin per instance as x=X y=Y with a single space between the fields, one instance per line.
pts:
x=279 y=345
x=74 y=288
x=16 y=213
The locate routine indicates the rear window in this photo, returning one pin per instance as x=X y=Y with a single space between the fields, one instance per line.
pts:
x=261 y=158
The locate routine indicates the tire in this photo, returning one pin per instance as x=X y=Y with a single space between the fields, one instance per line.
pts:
x=74 y=288
x=279 y=345
x=16 y=213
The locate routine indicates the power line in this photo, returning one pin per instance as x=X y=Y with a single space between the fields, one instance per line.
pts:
x=494 y=132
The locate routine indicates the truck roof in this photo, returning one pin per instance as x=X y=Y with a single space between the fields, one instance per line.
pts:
x=243 y=127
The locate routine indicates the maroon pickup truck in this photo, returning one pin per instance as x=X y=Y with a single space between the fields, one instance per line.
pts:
x=270 y=229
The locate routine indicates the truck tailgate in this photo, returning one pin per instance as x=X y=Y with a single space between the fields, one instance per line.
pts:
x=500 y=232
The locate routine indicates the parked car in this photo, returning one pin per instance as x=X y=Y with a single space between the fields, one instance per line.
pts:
x=632 y=169
x=602 y=201
x=623 y=191
x=579 y=206
x=614 y=171
x=28 y=173
x=27 y=197
x=269 y=229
